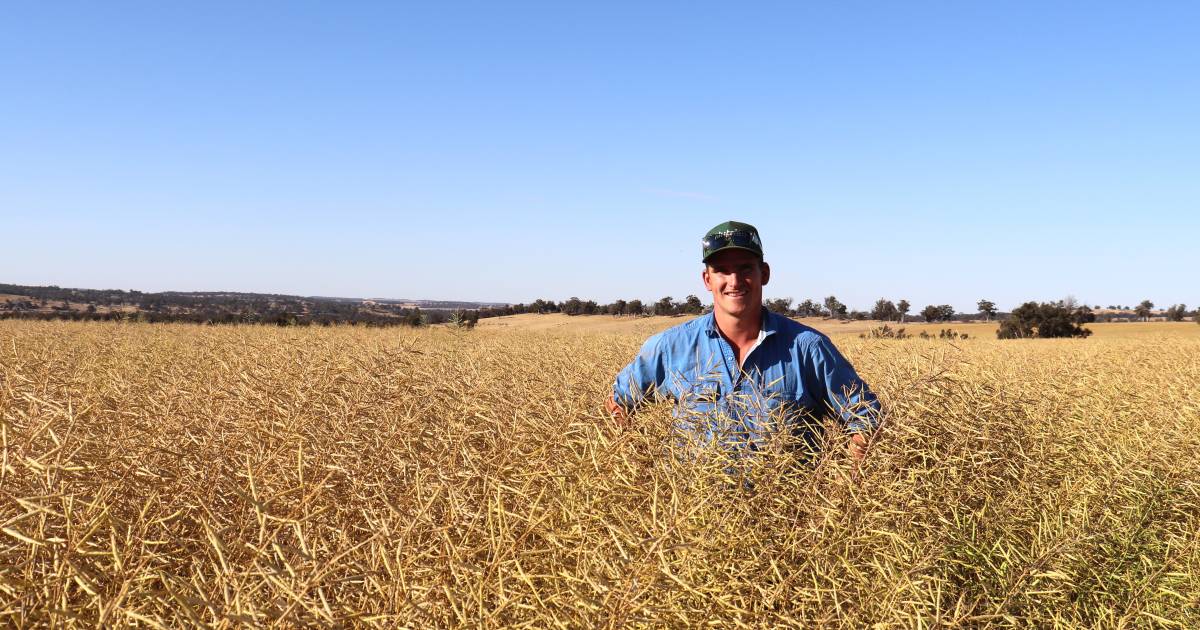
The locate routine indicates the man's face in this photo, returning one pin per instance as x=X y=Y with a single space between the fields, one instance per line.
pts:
x=736 y=278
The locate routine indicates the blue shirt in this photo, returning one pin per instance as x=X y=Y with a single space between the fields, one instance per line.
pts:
x=792 y=376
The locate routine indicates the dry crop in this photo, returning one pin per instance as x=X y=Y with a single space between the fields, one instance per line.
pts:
x=168 y=475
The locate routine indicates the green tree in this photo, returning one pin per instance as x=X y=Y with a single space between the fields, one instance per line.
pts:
x=1053 y=319
x=902 y=308
x=884 y=310
x=987 y=308
x=808 y=308
x=940 y=313
x=1143 y=309
x=1176 y=313
x=543 y=306
x=665 y=306
x=461 y=318
x=573 y=306
x=834 y=307
x=783 y=306
x=692 y=305
x=415 y=318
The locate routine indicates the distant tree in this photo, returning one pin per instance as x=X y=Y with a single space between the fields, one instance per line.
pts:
x=461 y=318
x=634 y=307
x=1044 y=320
x=543 y=306
x=590 y=308
x=884 y=310
x=665 y=306
x=692 y=305
x=1083 y=315
x=808 y=308
x=987 y=308
x=943 y=313
x=618 y=307
x=783 y=306
x=415 y=318
x=834 y=307
x=573 y=306
x=1143 y=309
x=902 y=308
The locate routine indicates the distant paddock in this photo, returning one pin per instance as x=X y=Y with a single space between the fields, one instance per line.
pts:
x=558 y=322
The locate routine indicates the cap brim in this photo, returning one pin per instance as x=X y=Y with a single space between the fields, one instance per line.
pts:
x=729 y=247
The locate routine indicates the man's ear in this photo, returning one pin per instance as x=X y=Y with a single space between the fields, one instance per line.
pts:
x=704 y=277
x=766 y=272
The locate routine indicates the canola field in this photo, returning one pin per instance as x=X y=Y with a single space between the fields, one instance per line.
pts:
x=178 y=476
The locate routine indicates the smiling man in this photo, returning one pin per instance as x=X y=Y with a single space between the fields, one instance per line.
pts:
x=742 y=374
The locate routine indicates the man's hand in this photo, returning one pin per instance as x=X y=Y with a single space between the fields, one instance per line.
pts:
x=858 y=445
x=617 y=412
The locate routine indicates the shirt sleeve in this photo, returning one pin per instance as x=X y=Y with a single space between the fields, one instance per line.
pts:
x=643 y=378
x=846 y=394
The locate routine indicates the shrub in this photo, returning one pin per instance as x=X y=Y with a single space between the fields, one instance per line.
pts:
x=885 y=332
x=1045 y=320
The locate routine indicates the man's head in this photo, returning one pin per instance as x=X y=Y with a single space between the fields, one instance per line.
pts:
x=734 y=270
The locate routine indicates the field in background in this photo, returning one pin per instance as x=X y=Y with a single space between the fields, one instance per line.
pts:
x=171 y=475
x=557 y=322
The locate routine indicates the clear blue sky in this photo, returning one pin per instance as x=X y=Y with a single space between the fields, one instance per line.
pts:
x=939 y=152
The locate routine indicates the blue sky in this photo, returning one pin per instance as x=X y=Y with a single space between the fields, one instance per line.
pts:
x=939 y=152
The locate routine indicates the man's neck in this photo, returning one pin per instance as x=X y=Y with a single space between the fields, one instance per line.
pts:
x=739 y=331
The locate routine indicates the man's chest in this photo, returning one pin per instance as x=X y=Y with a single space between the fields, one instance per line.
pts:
x=763 y=380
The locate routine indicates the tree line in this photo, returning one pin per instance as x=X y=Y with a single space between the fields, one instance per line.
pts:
x=52 y=302
x=691 y=305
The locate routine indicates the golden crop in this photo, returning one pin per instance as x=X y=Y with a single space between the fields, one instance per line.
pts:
x=168 y=475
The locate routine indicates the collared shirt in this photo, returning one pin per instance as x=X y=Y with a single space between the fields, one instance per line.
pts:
x=792 y=376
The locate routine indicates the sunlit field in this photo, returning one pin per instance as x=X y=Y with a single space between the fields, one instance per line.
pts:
x=178 y=475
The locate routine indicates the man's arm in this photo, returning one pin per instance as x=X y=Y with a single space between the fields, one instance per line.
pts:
x=846 y=393
x=642 y=378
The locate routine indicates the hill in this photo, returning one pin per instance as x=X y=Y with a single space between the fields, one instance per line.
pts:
x=53 y=302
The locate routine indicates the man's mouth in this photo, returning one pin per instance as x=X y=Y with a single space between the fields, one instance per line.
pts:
x=735 y=293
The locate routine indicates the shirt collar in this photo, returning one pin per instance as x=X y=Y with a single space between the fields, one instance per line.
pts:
x=770 y=324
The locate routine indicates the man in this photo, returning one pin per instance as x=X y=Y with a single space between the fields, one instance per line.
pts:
x=743 y=373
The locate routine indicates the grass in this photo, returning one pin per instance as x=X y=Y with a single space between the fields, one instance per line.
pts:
x=168 y=475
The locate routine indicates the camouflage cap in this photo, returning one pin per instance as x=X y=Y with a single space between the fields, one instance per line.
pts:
x=730 y=235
